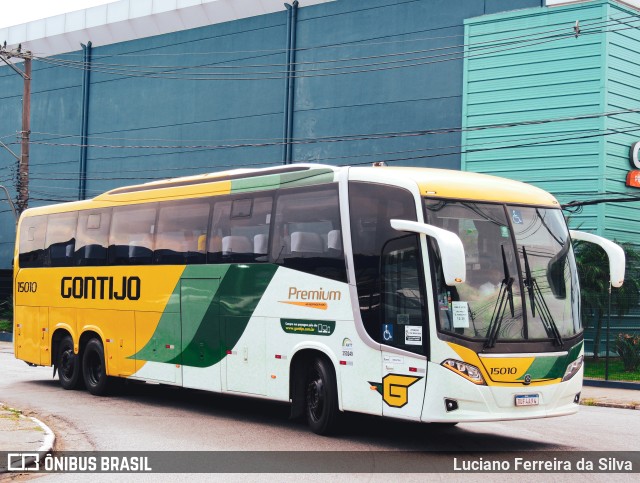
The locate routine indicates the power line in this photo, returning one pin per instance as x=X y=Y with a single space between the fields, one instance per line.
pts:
x=317 y=72
x=345 y=138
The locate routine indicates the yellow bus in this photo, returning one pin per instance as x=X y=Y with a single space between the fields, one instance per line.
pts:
x=422 y=294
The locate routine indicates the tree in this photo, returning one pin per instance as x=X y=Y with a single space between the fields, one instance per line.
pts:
x=593 y=269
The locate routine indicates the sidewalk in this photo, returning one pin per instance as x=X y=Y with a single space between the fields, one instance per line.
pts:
x=19 y=433
x=610 y=397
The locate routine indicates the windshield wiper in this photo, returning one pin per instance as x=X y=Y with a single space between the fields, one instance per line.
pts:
x=528 y=281
x=535 y=296
x=504 y=295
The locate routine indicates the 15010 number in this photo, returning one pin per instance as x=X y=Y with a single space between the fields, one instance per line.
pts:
x=503 y=371
x=27 y=287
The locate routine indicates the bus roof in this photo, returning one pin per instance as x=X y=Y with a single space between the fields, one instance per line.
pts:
x=436 y=183
x=447 y=183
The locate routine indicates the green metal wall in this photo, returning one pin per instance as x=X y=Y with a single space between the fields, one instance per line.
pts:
x=374 y=80
x=538 y=109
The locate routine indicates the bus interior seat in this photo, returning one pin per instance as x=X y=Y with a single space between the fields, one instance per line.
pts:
x=260 y=244
x=334 y=241
x=306 y=242
x=140 y=249
x=236 y=244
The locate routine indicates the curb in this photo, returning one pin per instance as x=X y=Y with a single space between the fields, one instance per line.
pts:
x=634 y=386
x=47 y=444
x=49 y=437
x=592 y=402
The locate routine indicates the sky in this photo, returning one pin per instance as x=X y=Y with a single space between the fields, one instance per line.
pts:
x=22 y=11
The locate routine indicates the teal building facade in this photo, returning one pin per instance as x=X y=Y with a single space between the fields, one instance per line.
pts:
x=551 y=97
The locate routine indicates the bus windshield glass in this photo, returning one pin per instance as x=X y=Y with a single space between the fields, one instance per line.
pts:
x=521 y=282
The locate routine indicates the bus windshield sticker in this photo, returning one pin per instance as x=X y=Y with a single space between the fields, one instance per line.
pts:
x=403 y=319
x=413 y=335
x=460 y=315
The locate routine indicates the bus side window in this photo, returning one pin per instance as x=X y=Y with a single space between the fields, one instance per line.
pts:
x=307 y=232
x=32 y=234
x=182 y=229
x=92 y=238
x=131 y=237
x=240 y=229
x=387 y=266
x=60 y=239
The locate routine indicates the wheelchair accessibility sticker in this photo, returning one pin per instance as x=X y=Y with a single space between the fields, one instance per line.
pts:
x=387 y=332
x=516 y=217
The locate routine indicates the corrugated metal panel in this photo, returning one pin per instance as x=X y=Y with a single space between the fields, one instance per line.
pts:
x=623 y=93
x=549 y=83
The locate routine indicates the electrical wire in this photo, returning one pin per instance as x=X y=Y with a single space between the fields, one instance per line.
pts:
x=126 y=71
x=343 y=138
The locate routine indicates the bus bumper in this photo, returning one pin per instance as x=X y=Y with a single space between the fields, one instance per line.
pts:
x=451 y=398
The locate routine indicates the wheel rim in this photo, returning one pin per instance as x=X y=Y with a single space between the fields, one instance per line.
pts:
x=67 y=363
x=315 y=395
x=95 y=368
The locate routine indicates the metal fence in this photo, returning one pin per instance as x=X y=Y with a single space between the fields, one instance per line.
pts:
x=617 y=357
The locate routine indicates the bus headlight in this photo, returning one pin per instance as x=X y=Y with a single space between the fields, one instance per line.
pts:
x=468 y=371
x=573 y=368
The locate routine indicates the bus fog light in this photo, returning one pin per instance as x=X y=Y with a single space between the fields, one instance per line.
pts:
x=450 y=405
x=573 y=368
x=468 y=371
x=576 y=399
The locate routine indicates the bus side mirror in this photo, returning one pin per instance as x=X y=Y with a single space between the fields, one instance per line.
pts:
x=454 y=266
x=613 y=250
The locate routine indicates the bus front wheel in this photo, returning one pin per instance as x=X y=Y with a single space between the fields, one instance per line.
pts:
x=321 y=397
x=68 y=364
x=94 y=369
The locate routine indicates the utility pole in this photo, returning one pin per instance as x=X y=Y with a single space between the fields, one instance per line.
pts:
x=22 y=184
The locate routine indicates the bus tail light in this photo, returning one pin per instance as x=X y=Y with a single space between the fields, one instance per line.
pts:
x=573 y=368
x=468 y=371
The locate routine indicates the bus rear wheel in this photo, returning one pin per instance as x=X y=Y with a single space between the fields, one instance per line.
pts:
x=68 y=364
x=94 y=369
x=321 y=397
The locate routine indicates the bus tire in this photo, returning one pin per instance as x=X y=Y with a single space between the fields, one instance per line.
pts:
x=321 y=397
x=94 y=369
x=68 y=363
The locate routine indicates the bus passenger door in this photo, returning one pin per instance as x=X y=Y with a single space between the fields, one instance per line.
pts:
x=403 y=326
x=403 y=385
x=201 y=333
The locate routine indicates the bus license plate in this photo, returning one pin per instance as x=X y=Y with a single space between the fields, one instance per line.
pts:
x=528 y=400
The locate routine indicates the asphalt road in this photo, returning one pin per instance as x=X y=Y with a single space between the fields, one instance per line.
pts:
x=149 y=417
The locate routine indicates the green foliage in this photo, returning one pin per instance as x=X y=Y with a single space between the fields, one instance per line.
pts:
x=595 y=369
x=6 y=315
x=628 y=348
x=593 y=269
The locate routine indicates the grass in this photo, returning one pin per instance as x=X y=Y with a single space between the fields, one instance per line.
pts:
x=595 y=370
x=6 y=325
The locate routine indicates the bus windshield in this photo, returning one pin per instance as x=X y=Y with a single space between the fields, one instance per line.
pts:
x=521 y=275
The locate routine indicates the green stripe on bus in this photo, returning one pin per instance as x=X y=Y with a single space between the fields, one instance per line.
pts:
x=286 y=180
x=222 y=299
x=228 y=315
x=552 y=367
